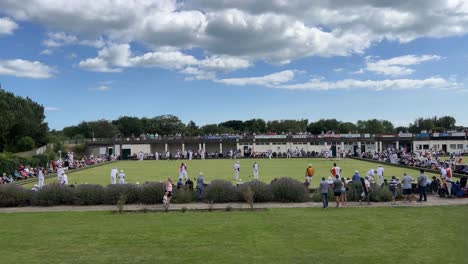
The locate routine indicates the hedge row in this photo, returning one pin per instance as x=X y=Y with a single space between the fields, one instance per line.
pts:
x=218 y=191
x=9 y=163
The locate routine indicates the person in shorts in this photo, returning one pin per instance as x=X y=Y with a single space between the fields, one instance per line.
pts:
x=168 y=194
x=393 y=188
x=337 y=184
x=407 y=181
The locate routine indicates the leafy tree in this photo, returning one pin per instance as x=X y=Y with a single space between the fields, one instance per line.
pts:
x=192 y=129
x=255 y=126
x=129 y=126
x=347 y=127
x=25 y=143
x=235 y=125
x=20 y=117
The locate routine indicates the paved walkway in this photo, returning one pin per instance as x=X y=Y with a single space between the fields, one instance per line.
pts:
x=432 y=201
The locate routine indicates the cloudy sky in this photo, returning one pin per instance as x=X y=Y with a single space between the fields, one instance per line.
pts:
x=214 y=60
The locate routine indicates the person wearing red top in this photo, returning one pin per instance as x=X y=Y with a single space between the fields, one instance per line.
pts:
x=448 y=180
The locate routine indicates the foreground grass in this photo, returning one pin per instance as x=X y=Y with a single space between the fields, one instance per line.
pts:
x=351 y=235
x=141 y=171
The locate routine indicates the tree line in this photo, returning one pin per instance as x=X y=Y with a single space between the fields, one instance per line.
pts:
x=22 y=125
x=127 y=126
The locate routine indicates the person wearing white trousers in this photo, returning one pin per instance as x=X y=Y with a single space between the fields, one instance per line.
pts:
x=113 y=175
x=40 y=176
x=255 y=168
x=121 y=177
x=236 y=170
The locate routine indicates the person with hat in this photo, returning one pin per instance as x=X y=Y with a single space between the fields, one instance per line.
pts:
x=121 y=177
x=255 y=168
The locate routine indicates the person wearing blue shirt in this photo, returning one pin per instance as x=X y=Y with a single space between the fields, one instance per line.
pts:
x=356 y=176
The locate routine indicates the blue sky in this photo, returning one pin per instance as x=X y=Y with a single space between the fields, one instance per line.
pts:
x=213 y=61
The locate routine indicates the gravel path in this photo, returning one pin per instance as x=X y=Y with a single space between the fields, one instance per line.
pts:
x=432 y=201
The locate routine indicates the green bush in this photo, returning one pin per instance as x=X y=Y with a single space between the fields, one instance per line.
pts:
x=261 y=191
x=317 y=197
x=380 y=194
x=220 y=191
x=12 y=195
x=289 y=190
x=54 y=194
x=9 y=163
x=25 y=144
x=183 y=196
x=152 y=193
x=88 y=194
x=354 y=191
x=113 y=192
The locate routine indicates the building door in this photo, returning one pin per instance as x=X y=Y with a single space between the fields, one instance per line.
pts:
x=125 y=153
x=333 y=151
x=444 y=147
x=110 y=151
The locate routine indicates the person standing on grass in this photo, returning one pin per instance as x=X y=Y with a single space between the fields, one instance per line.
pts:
x=335 y=170
x=406 y=181
x=380 y=175
x=448 y=180
x=168 y=193
x=255 y=170
x=121 y=177
x=309 y=174
x=200 y=186
x=393 y=188
x=236 y=170
x=113 y=175
x=60 y=172
x=422 y=186
x=365 y=190
x=344 y=186
x=337 y=184
x=64 y=179
x=183 y=172
x=40 y=176
x=324 y=192
x=370 y=175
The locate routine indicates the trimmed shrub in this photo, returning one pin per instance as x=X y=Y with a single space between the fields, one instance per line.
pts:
x=113 y=192
x=317 y=197
x=54 y=194
x=9 y=163
x=220 y=191
x=261 y=191
x=289 y=190
x=88 y=194
x=12 y=195
x=381 y=194
x=152 y=193
x=183 y=196
x=354 y=191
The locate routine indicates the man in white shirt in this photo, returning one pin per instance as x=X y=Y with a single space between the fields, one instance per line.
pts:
x=255 y=170
x=371 y=174
x=236 y=170
x=113 y=175
x=40 y=176
x=121 y=177
x=337 y=170
x=380 y=175
x=64 y=179
x=60 y=172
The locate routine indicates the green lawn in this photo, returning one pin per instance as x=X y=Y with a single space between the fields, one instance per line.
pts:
x=141 y=171
x=349 y=235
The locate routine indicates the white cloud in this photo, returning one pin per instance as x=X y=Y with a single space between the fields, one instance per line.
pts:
x=25 y=68
x=51 y=108
x=47 y=52
x=273 y=31
x=7 y=26
x=267 y=80
x=376 y=85
x=58 y=39
x=397 y=66
x=102 y=88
